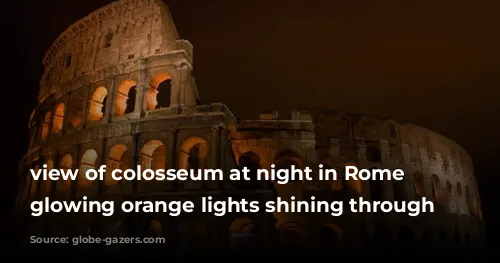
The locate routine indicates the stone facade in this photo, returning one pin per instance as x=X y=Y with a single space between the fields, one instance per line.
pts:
x=118 y=90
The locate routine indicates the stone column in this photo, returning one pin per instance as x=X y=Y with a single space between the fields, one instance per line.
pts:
x=180 y=95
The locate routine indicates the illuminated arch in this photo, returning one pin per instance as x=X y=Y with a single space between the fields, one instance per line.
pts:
x=436 y=188
x=57 y=120
x=46 y=126
x=88 y=162
x=45 y=185
x=160 y=84
x=118 y=158
x=122 y=103
x=354 y=185
x=97 y=104
x=65 y=164
x=193 y=153
x=153 y=155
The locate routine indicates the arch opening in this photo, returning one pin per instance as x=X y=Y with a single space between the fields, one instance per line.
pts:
x=193 y=154
x=125 y=98
x=118 y=158
x=57 y=120
x=88 y=162
x=252 y=162
x=449 y=194
x=97 y=104
x=159 y=92
x=153 y=155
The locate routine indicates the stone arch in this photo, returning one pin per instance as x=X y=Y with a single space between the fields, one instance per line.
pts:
x=418 y=184
x=46 y=126
x=241 y=225
x=65 y=164
x=58 y=119
x=161 y=83
x=354 y=185
x=153 y=155
x=330 y=235
x=287 y=158
x=45 y=185
x=436 y=188
x=125 y=98
x=193 y=153
x=88 y=162
x=118 y=158
x=97 y=104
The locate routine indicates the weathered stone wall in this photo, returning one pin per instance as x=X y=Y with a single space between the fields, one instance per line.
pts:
x=116 y=33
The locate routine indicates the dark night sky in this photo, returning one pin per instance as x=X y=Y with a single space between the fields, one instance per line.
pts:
x=433 y=63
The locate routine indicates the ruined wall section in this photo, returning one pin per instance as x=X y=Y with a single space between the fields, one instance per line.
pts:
x=118 y=32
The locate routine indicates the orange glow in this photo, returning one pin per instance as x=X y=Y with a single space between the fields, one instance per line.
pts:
x=97 y=103
x=152 y=93
x=57 y=120
x=118 y=158
x=418 y=183
x=122 y=97
x=88 y=162
x=194 y=151
x=46 y=126
x=153 y=155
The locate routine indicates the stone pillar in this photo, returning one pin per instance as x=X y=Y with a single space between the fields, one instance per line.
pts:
x=85 y=110
x=182 y=94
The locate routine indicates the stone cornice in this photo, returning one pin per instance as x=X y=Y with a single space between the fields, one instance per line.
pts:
x=90 y=20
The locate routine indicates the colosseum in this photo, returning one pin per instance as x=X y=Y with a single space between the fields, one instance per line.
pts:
x=117 y=90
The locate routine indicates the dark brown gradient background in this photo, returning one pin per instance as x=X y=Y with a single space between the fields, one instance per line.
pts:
x=432 y=63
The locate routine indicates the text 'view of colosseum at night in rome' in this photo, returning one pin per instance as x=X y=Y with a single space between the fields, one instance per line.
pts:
x=129 y=157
